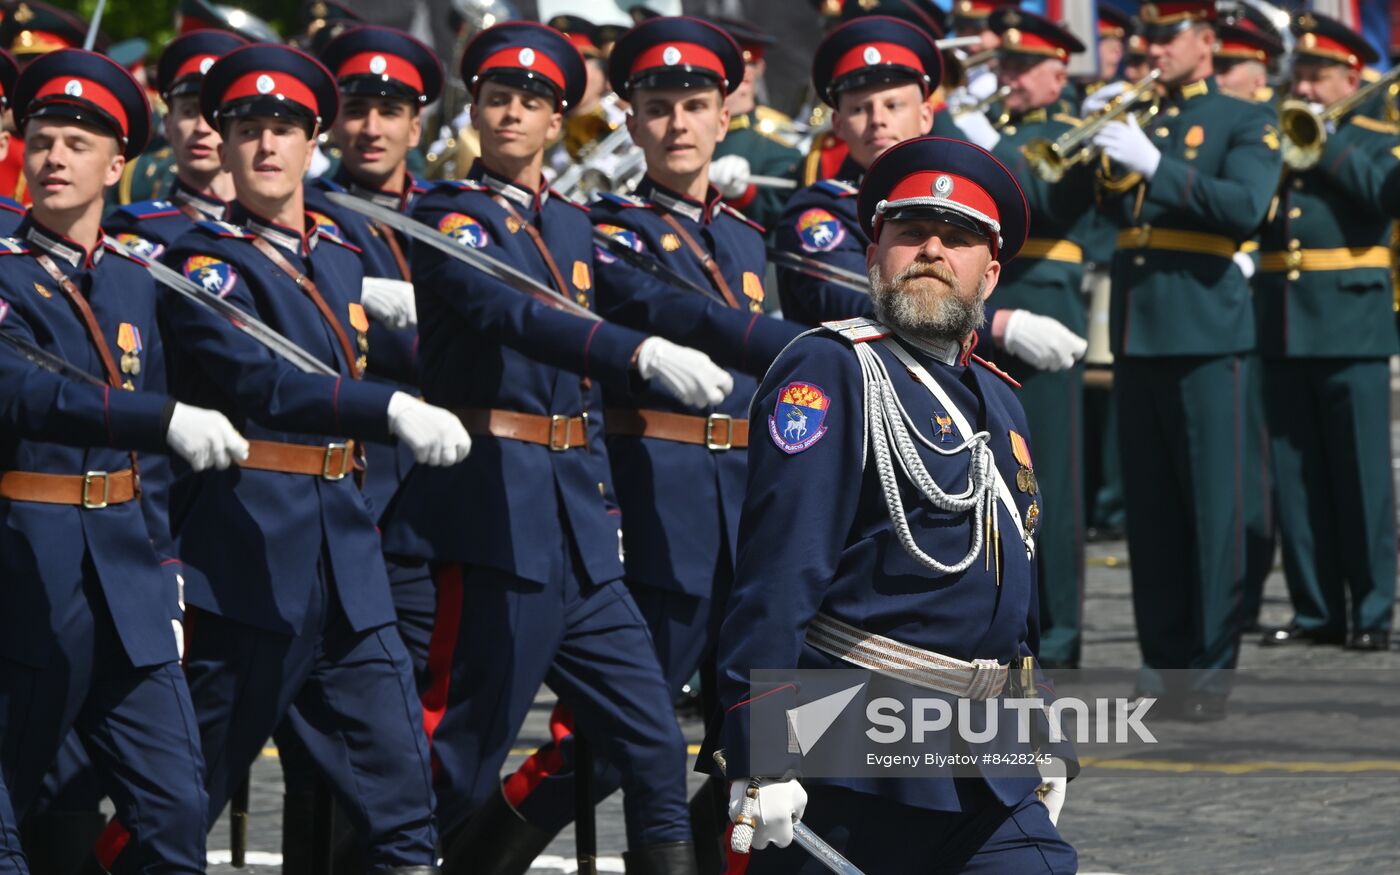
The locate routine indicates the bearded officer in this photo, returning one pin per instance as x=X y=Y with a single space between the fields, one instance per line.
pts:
x=867 y=555
x=1184 y=194
x=295 y=619
x=1325 y=302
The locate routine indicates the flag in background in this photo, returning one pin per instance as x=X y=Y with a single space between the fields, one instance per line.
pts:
x=1082 y=19
x=1371 y=18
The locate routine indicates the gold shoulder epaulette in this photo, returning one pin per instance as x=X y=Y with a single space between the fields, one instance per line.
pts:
x=1067 y=118
x=1365 y=122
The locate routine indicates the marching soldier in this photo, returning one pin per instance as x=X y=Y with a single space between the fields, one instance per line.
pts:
x=880 y=561
x=524 y=539
x=675 y=74
x=1045 y=280
x=292 y=616
x=1194 y=185
x=758 y=140
x=1243 y=56
x=202 y=188
x=1113 y=29
x=1136 y=65
x=1326 y=335
x=87 y=642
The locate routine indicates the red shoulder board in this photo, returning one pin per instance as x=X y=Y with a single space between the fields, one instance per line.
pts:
x=741 y=217
x=994 y=369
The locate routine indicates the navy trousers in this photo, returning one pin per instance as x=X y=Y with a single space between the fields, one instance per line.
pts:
x=878 y=835
x=498 y=637
x=137 y=725
x=348 y=696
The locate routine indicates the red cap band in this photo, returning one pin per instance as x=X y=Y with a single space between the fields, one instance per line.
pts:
x=525 y=59
x=1325 y=47
x=875 y=54
x=677 y=54
x=382 y=64
x=270 y=82
x=1241 y=50
x=950 y=187
x=1028 y=42
x=28 y=42
x=581 y=41
x=76 y=90
x=195 y=65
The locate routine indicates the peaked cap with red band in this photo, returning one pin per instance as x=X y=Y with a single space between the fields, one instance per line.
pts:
x=186 y=59
x=529 y=56
x=9 y=72
x=1163 y=21
x=873 y=50
x=675 y=52
x=89 y=88
x=1327 y=39
x=1113 y=22
x=753 y=40
x=923 y=14
x=35 y=28
x=383 y=62
x=1025 y=33
x=952 y=180
x=269 y=81
x=1244 y=41
x=584 y=34
x=968 y=11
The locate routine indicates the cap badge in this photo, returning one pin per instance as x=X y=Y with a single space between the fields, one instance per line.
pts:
x=73 y=88
x=265 y=84
x=204 y=65
x=671 y=56
x=377 y=65
x=943 y=186
x=1012 y=18
x=527 y=57
x=871 y=55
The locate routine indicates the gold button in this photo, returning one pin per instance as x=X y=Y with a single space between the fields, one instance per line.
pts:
x=602 y=490
x=1293 y=274
x=1009 y=130
x=1294 y=244
x=1162 y=132
x=1173 y=111
x=1139 y=261
x=1297 y=184
x=1295 y=212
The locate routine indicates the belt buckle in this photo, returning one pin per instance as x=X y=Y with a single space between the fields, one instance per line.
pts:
x=1144 y=236
x=326 y=472
x=555 y=420
x=710 y=442
x=1293 y=259
x=88 y=479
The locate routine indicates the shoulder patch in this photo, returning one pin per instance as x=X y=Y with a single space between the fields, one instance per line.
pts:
x=13 y=246
x=150 y=209
x=568 y=200
x=210 y=274
x=859 y=329
x=624 y=200
x=1366 y=123
x=626 y=236
x=139 y=246
x=223 y=229
x=838 y=187
x=726 y=208
x=996 y=370
x=819 y=230
x=464 y=229
x=324 y=223
x=4 y=310
x=799 y=417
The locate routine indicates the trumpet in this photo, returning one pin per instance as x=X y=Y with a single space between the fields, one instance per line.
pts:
x=1051 y=159
x=984 y=104
x=1305 y=130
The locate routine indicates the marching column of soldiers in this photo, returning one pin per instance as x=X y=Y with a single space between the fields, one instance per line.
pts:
x=309 y=438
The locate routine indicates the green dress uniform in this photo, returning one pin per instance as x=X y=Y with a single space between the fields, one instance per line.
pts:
x=758 y=136
x=1046 y=278
x=1181 y=326
x=1326 y=334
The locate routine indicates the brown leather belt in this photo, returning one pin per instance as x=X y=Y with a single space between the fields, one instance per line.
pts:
x=93 y=490
x=557 y=432
x=717 y=431
x=331 y=462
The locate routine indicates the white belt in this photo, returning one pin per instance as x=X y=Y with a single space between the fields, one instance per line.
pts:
x=979 y=679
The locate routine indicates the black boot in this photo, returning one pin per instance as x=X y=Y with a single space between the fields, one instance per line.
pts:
x=672 y=858
x=408 y=870
x=709 y=819
x=60 y=842
x=496 y=840
x=299 y=832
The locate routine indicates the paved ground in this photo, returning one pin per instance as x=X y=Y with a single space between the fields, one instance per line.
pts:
x=1201 y=818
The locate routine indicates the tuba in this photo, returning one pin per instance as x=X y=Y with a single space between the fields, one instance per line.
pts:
x=1051 y=159
x=1305 y=130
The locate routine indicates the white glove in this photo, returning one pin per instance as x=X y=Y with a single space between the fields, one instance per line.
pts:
x=436 y=437
x=978 y=130
x=204 y=438
x=389 y=301
x=1127 y=144
x=176 y=624
x=1042 y=341
x=1099 y=99
x=1244 y=263
x=1052 y=788
x=730 y=175
x=778 y=806
x=687 y=374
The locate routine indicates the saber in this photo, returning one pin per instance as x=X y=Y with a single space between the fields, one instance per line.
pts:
x=48 y=361
x=762 y=181
x=495 y=268
x=651 y=266
x=957 y=42
x=91 y=39
x=245 y=322
x=820 y=270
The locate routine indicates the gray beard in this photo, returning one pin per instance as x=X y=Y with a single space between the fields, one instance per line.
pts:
x=940 y=316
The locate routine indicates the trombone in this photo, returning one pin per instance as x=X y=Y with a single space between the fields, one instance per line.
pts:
x=984 y=104
x=1051 y=159
x=1305 y=130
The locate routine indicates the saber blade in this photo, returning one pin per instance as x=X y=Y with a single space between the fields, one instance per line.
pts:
x=48 y=361
x=825 y=854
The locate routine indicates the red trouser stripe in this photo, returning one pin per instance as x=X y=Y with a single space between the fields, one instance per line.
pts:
x=441 y=646
x=110 y=843
x=547 y=760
